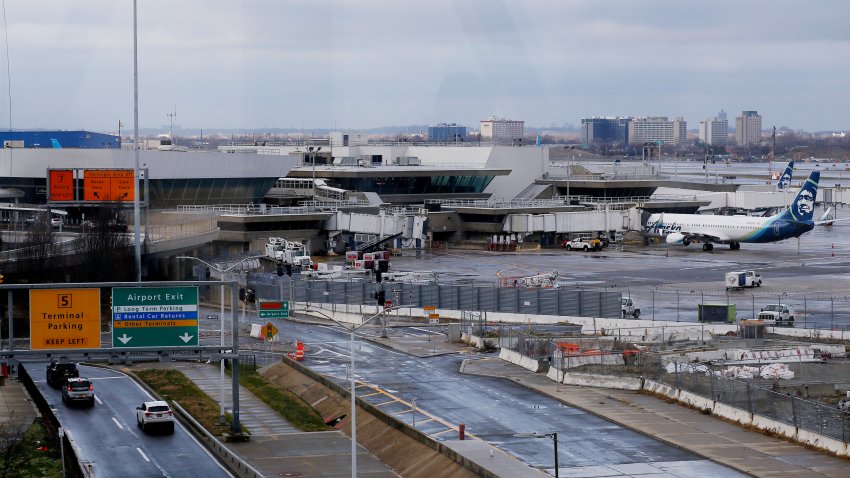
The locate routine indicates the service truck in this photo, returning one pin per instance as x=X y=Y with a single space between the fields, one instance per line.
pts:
x=628 y=307
x=288 y=252
x=777 y=314
x=741 y=279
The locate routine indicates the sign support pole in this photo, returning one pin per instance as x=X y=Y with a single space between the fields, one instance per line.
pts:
x=235 y=428
x=136 y=212
x=11 y=322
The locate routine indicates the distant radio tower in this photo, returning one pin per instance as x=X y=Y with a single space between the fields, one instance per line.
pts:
x=171 y=117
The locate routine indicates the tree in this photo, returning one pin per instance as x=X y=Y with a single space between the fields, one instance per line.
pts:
x=106 y=249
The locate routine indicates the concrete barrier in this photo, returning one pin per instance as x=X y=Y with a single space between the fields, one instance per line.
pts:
x=774 y=427
x=602 y=381
x=730 y=413
x=839 y=448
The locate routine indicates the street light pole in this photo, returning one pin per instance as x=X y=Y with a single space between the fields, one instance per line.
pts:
x=222 y=419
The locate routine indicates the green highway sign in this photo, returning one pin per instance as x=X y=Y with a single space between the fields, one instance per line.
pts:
x=154 y=317
x=273 y=309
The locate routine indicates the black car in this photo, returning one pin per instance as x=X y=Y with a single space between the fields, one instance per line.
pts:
x=58 y=372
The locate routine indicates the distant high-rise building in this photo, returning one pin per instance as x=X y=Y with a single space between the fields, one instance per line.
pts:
x=449 y=133
x=658 y=128
x=714 y=131
x=502 y=130
x=722 y=116
x=605 y=130
x=748 y=128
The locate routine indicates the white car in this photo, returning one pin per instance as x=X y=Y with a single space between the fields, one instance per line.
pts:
x=55 y=221
x=155 y=414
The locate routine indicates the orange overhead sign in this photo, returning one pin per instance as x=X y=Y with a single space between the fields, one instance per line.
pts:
x=64 y=319
x=61 y=185
x=108 y=185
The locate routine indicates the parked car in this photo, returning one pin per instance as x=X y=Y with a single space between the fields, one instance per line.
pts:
x=55 y=221
x=78 y=389
x=155 y=414
x=58 y=372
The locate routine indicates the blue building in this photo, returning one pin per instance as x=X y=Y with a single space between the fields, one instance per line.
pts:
x=60 y=139
x=605 y=130
x=447 y=133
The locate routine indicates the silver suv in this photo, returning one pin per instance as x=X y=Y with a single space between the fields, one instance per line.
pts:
x=78 y=389
x=155 y=414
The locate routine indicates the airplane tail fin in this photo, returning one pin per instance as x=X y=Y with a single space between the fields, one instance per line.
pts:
x=802 y=208
x=827 y=215
x=55 y=143
x=785 y=180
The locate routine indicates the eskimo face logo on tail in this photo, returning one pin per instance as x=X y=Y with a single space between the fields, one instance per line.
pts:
x=784 y=181
x=803 y=205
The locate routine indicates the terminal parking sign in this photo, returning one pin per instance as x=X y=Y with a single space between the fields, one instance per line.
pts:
x=154 y=317
x=64 y=319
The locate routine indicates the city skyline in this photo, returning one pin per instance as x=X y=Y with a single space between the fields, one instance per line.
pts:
x=334 y=65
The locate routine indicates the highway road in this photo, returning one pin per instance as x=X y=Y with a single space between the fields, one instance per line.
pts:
x=493 y=409
x=107 y=436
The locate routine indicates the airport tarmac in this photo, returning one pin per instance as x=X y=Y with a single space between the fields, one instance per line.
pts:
x=668 y=281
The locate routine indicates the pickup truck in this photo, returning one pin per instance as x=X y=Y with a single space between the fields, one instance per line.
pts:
x=628 y=308
x=777 y=314
x=582 y=244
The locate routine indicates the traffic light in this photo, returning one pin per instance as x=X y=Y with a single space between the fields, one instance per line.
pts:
x=279 y=268
x=242 y=293
x=380 y=297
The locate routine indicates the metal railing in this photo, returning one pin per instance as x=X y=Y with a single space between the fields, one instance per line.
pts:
x=177 y=231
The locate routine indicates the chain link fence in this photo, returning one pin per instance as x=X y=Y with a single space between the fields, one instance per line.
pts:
x=809 y=311
x=476 y=296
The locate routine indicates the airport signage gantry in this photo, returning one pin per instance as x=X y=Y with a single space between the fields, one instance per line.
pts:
x=154 y=317
x=57 y=310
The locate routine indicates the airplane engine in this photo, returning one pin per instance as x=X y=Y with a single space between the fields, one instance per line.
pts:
x=676 y=238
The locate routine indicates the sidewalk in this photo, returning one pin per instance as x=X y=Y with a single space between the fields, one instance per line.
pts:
x=17 y=408
x=277 y=448
x=746 y=451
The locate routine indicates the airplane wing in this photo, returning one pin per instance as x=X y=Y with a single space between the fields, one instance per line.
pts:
x=830 y=221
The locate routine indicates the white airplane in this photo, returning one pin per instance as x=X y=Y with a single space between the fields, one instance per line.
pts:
x=733 y=230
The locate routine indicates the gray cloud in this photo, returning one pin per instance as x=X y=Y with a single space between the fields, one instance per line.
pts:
x=271 y=63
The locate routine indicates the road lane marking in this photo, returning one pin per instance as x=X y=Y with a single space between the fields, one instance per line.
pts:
x=117 y=423
x=368 y=395
x=385 y=403
x=142 y=453
x=98 y=400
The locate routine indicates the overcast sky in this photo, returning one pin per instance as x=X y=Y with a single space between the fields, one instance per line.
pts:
x=361 y=64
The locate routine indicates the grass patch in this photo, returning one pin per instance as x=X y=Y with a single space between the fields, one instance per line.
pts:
x=29 y=453
x=284 y=402
x=172 y=385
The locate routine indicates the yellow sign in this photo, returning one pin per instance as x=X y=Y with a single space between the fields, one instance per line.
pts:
x=268 y=331
x=429 y=307
x=433 y=316
x=64 y=319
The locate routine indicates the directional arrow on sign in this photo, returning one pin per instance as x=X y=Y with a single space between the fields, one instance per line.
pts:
x=124 y=339
x=185 y=337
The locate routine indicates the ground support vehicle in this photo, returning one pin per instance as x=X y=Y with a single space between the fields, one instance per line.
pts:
x=741 y=279
x=777 y=314
x=628 y=308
